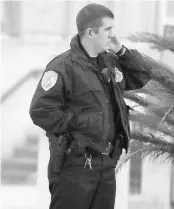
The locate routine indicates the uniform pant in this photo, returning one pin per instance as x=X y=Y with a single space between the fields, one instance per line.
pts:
x=76 y=187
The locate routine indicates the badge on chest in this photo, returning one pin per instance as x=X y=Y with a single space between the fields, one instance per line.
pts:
x=118 y=75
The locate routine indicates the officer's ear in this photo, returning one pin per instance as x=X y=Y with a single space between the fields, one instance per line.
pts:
x=90 y=33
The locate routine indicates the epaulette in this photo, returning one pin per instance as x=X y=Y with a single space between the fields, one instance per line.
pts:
x=59 y=59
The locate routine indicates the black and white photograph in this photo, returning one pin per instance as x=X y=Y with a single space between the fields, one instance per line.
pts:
x=87 y=104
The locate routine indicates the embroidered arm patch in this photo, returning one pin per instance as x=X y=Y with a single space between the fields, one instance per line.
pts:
x=49 y=80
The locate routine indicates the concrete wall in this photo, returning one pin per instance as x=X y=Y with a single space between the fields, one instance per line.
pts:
x=156 y=186
x=58 y=17
x=16 y=122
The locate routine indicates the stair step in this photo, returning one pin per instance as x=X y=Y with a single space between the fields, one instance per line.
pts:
x=23 y=160
x=16 y=173
x=21 y=164
x=27 y=148
x=25 y=152
x=18 y=180
x=32 y=140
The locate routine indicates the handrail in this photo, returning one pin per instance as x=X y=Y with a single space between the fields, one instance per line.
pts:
x=35 y=73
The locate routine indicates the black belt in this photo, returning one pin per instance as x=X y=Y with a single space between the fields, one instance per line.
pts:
x=94 y=153
x=108 y=150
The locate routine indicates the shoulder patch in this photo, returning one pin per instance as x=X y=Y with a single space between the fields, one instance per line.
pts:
x=49 y=80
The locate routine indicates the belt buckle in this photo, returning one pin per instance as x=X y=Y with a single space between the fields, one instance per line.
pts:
x=107 y=149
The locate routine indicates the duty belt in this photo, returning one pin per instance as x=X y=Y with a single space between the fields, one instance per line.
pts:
x=109 y=148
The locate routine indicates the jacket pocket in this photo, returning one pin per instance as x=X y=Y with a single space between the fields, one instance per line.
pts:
x=89 y=121
x=95 y=123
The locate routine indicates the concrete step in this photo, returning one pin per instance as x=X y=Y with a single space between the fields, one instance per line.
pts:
x=21 y=168
x=32 y=140
x=17 y=179
x=20 y=164
x=26 y=152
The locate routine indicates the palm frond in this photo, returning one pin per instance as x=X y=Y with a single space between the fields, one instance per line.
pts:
x=153 y=105
x=145 y=124
x=137 y=98
x=149 y=138
x=167 y=128
x=123 y=160
x=163 y=112
x=154 y=92
x=148 y=120
x=166 y=116
x=165 y=82
x=158 y=42
x=161 y=73
x=154 y=151
x=158 y=87
x=152 y=131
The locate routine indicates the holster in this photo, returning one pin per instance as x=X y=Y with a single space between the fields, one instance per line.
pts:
x=57 y=145
x=117 y=149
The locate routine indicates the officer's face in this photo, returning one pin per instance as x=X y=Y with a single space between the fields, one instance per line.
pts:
x=102 y=39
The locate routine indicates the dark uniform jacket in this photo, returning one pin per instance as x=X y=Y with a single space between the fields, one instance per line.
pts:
x=77 y=102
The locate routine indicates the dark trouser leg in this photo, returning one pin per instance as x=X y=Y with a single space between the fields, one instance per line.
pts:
x=77 y=188
x=105 y=195
x=73 y=188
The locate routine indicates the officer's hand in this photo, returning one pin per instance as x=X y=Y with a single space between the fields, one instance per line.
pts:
x=115 y=45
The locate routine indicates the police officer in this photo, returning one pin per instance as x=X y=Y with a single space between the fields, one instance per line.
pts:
x=80 y=96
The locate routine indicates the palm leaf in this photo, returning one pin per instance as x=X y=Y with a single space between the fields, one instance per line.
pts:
x=157 y=101
x=163 y=112
x=149 y=138
x=166 y=116
x=137 y=98
x=160 y=73
x=152 y=127
x=155 y=149
x=148 y=120
x=158 y=42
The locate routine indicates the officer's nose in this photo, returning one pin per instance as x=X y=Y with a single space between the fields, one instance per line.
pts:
x=111 y=34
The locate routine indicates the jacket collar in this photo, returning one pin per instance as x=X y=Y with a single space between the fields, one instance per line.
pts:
x=79 y=54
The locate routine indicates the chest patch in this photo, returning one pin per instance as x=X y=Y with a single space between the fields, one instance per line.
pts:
x=49 y=80
x=118 y=75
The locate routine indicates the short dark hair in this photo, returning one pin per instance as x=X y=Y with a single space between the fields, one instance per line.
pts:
x=91 y=16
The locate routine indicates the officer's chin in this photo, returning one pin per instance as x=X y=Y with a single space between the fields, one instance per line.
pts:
x=106 y=49
x=101 y=51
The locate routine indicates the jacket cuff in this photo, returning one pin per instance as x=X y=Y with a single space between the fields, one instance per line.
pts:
x=121 y=52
